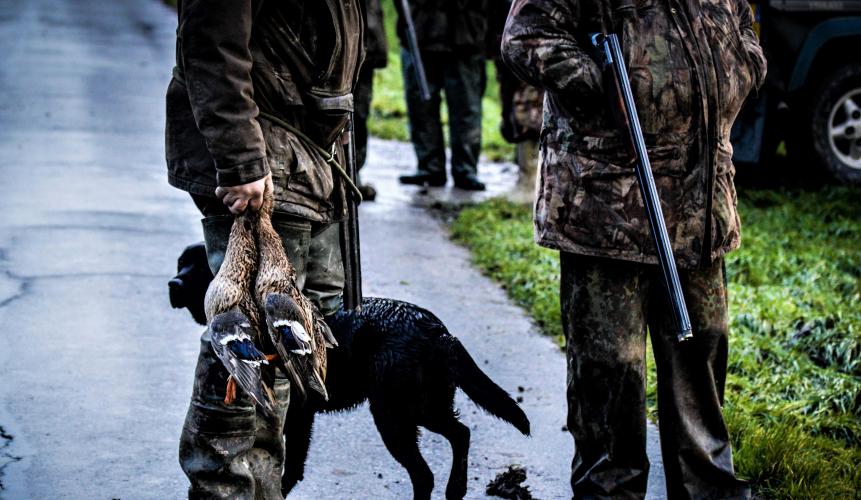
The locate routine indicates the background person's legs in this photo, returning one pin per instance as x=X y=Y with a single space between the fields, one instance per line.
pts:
x=464 y=81
x=362 y=96
x=425 y=126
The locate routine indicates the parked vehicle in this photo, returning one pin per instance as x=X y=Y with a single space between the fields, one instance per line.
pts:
x=812 y=95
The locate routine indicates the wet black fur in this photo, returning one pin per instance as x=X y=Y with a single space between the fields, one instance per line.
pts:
x=404 y=362
x=402 y=359
x=188 y=287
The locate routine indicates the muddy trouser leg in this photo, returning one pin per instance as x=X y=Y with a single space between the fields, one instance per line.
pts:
x=527 y=163
x=694 y=440
x=465 y=80
x=235 y=451
x=230 y=452
x=425 y=125
x=322 y=276
x=603 y=316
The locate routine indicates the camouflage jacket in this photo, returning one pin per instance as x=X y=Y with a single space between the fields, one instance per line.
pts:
x=692 y=63
x=295 y=59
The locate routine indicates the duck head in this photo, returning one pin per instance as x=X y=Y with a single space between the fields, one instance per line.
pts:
x=285 y=319
x=232 y=329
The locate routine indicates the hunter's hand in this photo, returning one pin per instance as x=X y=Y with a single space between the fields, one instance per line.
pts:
x=243 y=197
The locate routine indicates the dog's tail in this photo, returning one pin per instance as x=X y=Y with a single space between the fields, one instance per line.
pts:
x=483 y=391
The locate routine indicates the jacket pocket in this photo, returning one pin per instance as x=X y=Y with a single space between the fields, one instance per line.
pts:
x=299 y=174
x=609 y=156
x=723 y=158
x=274 y=90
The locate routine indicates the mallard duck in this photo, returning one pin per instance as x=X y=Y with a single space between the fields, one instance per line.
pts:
x=233 y=342
x=231 y=293
x=293 y=324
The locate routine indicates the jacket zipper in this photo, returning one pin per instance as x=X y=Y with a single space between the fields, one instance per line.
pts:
x=709 y=115
x=707 y=237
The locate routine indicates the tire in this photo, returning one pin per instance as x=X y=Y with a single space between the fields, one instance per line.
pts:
x=835 y=125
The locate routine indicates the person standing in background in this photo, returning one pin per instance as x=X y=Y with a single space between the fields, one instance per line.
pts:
x=521 y=103
x=451 y=36
x=376 y=57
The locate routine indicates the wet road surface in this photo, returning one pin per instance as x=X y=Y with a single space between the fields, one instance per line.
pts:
x=97 y=368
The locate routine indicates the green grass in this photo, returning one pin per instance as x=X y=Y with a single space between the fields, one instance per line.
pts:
x=389 y=112
x=794 y=385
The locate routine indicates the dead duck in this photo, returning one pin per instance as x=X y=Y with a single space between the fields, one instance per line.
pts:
x=229 y=305
x=233 y=342
x=293 y=324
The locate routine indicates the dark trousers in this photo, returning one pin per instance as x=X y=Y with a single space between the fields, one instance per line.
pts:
x=606 y=307
x=362 y=96
x=237 y=452
x=462 y=78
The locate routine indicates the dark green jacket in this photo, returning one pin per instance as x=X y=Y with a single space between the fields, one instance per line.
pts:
x=692 y=63
x=447 y=25
x=296 y=59
x=376 y=45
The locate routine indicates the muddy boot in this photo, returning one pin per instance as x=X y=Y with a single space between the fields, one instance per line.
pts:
x=369 y=192
x=527 y=165
x=231 y=451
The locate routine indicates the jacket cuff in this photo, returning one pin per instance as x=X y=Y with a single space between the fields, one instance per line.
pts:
x=243 y=173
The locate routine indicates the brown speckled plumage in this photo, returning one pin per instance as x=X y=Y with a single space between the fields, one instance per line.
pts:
x=232 y=286
x=276 y=275
x=229 y=302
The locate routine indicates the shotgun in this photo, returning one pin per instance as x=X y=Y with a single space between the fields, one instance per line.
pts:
x=413 y=48
x=350 y=249
x=616 y=77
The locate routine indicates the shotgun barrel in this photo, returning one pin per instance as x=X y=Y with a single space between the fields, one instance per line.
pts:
x=624 y=108
x=413 y=48
x=350 y=249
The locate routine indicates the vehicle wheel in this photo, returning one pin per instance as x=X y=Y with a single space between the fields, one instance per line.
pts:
x=836 y=124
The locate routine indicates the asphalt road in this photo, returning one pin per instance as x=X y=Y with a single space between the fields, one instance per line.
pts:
x=96 y=368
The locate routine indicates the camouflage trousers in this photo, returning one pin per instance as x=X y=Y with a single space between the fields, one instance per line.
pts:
x=463 y=79
x=607 y=306
x=237 y=452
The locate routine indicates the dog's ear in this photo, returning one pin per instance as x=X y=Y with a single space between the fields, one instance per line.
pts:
x=188 y=288
x=193 y=256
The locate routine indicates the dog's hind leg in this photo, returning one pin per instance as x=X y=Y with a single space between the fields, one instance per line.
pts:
x=400 y=435
x=457 y=434
x=297 y=436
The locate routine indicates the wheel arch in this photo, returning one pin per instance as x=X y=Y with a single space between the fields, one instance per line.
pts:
x=817 y=55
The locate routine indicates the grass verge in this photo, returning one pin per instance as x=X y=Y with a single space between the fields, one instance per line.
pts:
x=794 y=384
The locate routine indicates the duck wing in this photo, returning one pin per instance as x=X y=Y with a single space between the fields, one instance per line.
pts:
x=322 y=327
x=230 y=337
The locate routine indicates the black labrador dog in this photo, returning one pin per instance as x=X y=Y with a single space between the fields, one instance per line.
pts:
x=400 y=358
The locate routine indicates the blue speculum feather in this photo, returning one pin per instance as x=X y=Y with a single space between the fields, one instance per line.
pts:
x=287 y=336
x=245 y=349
